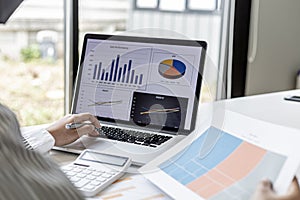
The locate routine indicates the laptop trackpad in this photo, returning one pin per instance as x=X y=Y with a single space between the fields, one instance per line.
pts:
x=109 y=145
x=138 y=154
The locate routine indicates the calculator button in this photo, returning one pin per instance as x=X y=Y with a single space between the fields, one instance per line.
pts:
x=106 y=175
x=81 y=183
x=111 y=172
x=88 y=187
x=77 y=170
x=96 y=173
x=91 y=177
x=74 y=179
x=95 y=183
x=81 y=175
x=70 y=173
x=86 y=172
x=67 y=168
x=101 y=179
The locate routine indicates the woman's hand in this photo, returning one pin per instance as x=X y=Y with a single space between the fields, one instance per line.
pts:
x=265 y=191
x=65 y=136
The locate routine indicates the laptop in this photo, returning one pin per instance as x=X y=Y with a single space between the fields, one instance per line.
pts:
x=144 y=91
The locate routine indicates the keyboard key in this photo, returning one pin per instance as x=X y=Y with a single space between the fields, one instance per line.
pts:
x=135 y=137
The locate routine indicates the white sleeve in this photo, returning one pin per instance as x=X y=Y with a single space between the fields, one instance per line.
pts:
x=39 y=139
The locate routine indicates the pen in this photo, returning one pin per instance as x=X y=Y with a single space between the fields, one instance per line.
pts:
x=78 y=125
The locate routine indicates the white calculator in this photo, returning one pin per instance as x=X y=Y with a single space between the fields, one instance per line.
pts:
x=92 y=171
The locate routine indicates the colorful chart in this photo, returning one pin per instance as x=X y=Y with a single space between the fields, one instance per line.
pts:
x=172 y=69
x=219 y=166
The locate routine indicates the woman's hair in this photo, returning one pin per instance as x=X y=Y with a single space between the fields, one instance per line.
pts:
x=9 y=126
x=26 y=174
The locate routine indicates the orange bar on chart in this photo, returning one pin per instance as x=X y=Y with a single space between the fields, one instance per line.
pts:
x=236 y=166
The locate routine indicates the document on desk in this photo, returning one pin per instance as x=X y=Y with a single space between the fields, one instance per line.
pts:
x=133 y=186
x=226 y=160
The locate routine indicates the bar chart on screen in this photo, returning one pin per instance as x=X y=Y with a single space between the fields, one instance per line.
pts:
x=127 y=68
x=117 y=74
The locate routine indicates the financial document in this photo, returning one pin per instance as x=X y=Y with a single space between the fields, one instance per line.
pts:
x=133 y=186
x=227 y=160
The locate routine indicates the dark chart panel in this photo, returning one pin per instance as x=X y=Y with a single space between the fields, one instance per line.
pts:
x=158 y=110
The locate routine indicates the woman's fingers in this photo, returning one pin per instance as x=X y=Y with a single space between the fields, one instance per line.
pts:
x=80 y=118
x=87 y=130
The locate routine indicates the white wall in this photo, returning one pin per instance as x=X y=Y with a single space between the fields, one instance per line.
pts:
x=278 y=47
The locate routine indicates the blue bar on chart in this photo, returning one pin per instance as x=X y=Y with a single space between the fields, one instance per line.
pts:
x=115 y=73
x=132 y=75
x=120 y=74
x=99 y=71
x=116 y=69
x=95 y=72
x=124 y=73
x=111 y=69
x=141 y=79
x=102 y=76
x=128 y=71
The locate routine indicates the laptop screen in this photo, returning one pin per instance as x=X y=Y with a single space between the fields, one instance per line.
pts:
x=148 y=83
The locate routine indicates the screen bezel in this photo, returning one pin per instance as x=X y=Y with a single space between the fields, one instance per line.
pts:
x=154 y=40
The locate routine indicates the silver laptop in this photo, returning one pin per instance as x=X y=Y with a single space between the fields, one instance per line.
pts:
x=144 y=91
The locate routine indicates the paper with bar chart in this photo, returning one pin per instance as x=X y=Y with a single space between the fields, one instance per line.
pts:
x=222 y=167
x=222 y=164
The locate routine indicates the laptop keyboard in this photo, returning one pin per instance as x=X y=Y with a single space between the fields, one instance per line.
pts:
x=135 y=137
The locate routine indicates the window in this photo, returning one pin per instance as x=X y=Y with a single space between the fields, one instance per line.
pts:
x=171 y=5
x=178 y=5
x=202 y=5
x=31 y=62
x=151 y=4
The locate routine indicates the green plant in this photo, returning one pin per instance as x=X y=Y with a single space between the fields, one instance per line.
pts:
x=30 y=53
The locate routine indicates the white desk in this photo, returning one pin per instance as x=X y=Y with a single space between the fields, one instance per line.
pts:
x=267 y=107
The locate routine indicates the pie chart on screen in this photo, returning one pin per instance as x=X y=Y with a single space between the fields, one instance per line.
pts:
x=171 y=68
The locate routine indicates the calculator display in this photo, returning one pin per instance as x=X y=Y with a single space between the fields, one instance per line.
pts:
x=103 y=158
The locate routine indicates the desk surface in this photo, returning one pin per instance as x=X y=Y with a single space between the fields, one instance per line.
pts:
x=267 y=107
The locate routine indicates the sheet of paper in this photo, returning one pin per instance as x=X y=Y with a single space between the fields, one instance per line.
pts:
x=131 y=187
x=226 y=160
